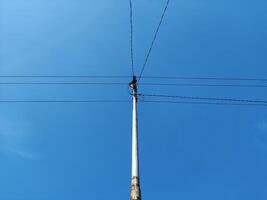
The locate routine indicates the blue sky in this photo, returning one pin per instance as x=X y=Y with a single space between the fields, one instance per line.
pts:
x=82 y=151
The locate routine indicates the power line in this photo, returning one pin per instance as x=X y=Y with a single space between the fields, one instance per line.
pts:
x=204 y=78
x=65 y=76
x=206 y=103
x=204 y=85
x=154 y=39
x=58 y=83
x=125 y=84
x=144 y=77
x=206 y=98
x=131 y=36
x=128 y=101
x=64 y=101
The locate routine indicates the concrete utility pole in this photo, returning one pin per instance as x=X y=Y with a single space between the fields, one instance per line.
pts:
x=135 y=190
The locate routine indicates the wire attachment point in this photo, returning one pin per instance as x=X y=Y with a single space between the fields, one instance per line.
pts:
x=133 y=86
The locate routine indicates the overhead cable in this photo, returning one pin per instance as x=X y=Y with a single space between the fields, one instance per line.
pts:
x=154 y=39
x=64 y=101
x=64 y=76
x=144 y=84
x=131 y=36
x=205 y=78
x=128 y=101
x=59 y=83
x=205 y=98
x=143 y=77
x=204 y=85
x=204 y=103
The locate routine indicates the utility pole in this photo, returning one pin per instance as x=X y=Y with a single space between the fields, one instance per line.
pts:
x=135 y=189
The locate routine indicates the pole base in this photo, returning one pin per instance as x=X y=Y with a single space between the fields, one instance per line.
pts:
x=135 y=191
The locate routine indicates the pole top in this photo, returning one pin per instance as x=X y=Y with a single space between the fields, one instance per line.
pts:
x=133 y=85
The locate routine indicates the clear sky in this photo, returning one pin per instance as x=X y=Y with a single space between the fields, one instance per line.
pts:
x=64 y=151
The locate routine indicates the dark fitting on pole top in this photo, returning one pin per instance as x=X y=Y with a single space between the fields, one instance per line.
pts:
x=133 y=86
x=133 y=83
